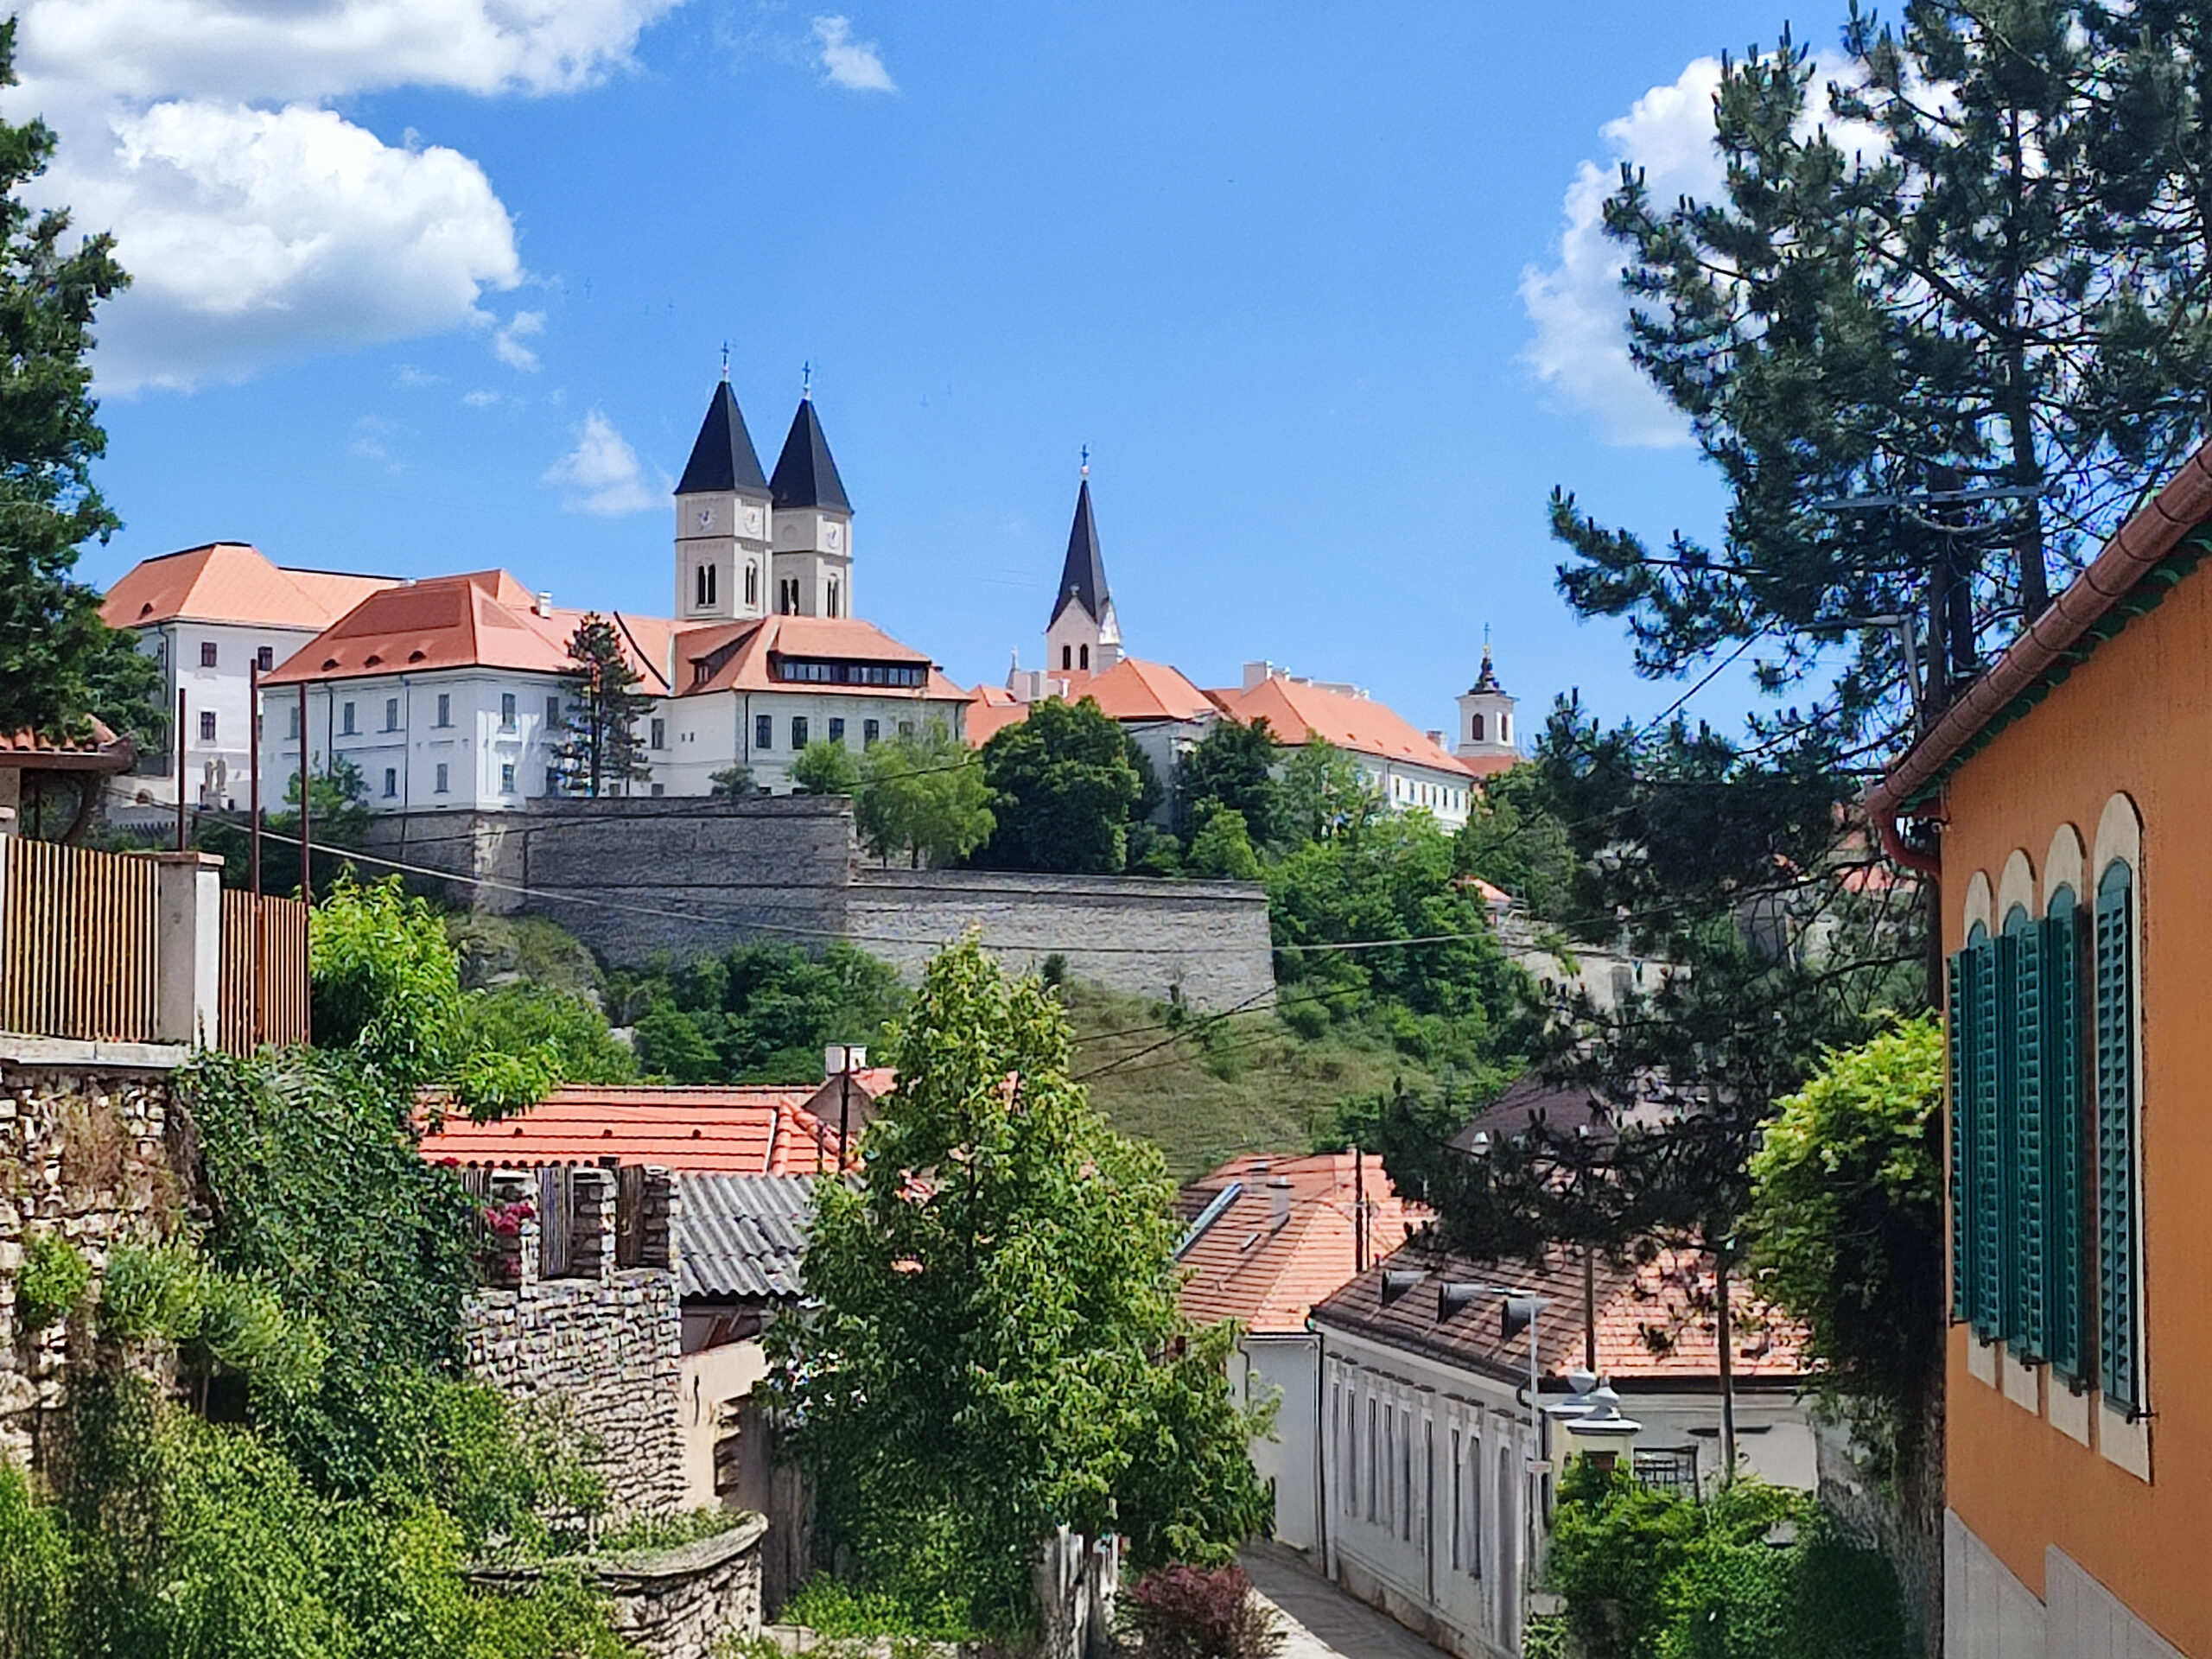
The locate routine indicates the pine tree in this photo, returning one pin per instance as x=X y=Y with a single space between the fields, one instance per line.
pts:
x=53 y=645
x=600 y=753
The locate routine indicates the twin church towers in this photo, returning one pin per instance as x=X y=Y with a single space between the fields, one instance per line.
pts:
x=748 y=546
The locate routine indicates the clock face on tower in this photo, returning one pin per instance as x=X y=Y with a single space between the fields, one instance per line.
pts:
x=753 y=521
x=706 y=516
x=836 y=535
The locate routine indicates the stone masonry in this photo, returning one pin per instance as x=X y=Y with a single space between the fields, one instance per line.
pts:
x=684 y=1603
x=637 y=878
x=93 y=1152
x=596 y=1351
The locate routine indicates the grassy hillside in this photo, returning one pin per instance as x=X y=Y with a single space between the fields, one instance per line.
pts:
x=1214 y=1088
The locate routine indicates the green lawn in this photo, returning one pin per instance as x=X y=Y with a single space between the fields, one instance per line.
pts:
x=1215 y=1088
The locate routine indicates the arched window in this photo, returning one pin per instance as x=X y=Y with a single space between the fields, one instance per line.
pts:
x=1086 y=653
x=1506 y=728
x=2118 y=1288
x=752 y=585
x=1067 y=656
x=836 y=598
x=706 y=584
x=1474 y=727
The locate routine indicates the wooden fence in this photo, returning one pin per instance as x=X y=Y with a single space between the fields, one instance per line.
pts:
x=78 y=954
x=264 y=996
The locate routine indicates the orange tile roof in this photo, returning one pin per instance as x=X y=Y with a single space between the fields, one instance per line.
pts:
x=750 y=644
x=1296 y=712
x=484 y=619
x=230 y=581
x=1245 y=1267
x=990 y=711
x=1136 y=690
x=99 y=750
x=735 y=1129
x=1655 y=1321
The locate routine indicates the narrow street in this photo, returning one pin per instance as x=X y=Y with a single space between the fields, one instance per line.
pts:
x=1320 y=1620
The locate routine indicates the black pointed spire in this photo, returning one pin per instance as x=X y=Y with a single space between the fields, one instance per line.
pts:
x=723 y=457
x=1082 y=578
x=806 y=475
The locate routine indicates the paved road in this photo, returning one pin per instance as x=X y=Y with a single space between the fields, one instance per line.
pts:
x=1322 y=1621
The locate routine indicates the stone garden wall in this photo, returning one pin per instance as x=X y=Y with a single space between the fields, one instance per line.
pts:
x=671 y=1604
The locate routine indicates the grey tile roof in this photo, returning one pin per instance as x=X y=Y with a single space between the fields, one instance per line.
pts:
x=806 y=475
x=1083 y=577
x=743 y=1235
x=724 y=458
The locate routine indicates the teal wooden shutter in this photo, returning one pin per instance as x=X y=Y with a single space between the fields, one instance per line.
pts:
x=2119 y=1367
x=1959 y=985
x=1987 y=1148
x=2027 y=1257
x=2063 y=1137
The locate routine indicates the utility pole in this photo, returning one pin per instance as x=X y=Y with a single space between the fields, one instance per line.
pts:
x=181 y=842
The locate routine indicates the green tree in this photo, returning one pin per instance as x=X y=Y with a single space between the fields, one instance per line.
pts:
x=996 y=1347
x=1223 y=847
x=826 y=767
x=57 y=659
x=1325 y=794
x=926 y=796
x=733 y=784
x=601 y=751
x=760 y=1013
x=1063 y=791
x=1514 y=840
x=525 y=1019
x=1232 y=768
x=1844 y=1225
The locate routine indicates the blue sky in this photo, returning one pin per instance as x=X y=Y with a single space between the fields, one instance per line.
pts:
x=426 y=288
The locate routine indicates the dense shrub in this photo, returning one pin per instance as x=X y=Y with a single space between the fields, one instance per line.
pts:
x=758 y=1014
x=51 y=1281
x=1198 y=1612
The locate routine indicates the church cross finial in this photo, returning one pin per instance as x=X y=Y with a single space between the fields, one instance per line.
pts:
x=807 y=381
x=1086 y=461
x=725 y=361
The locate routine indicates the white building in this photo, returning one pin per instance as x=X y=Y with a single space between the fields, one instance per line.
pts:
x=1436 y=1491
x=209 y=615
x=449 y=693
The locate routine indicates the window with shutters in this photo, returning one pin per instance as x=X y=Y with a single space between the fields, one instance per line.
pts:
x=1987 y=1148
x=2064 y=1138
x=2024 y=1199
x=1959 y=1001
x=2119 y=1296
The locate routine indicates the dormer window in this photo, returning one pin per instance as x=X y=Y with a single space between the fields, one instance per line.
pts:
x=701 y=672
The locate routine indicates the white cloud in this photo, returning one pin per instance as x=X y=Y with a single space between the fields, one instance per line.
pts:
x=854 y=65
x=481 y=399
x=507 y=344
x=258 y=225
x=601 y=474
x=1579 y=311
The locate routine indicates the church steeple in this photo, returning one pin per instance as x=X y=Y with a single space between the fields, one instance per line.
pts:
x=1084 y=637
x=1486 y=717
x=814 y=522
x=722 y=513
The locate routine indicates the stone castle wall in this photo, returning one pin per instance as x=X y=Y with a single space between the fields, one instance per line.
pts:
x=596 y=1351
x=94 y=1153
x=638 y=879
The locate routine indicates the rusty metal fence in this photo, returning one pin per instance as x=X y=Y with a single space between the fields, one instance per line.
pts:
x=78 y=955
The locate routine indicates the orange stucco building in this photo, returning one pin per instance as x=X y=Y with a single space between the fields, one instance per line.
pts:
x=2073 y=788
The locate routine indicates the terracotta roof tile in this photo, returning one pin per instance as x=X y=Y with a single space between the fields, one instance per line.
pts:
x=99 y=750
x=747 y=649
x=1136 y=689
x=229 y=582
x=1295 y=712
x=1655 y=1321
x=744 y=1129
x=1244 y=1267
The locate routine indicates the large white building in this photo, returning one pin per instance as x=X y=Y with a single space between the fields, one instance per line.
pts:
x=209 y=615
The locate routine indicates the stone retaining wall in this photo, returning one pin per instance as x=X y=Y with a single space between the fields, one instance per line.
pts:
x=95 y=1152
x=673 y=1604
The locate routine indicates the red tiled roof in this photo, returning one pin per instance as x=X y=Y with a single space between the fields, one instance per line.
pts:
x=736 y=1129
x=1296 y=712
x=1655 y=1322
x=1136 y=690
x=99 y=750
x=487 y=618
x=229 y=582
x=990 y=711
x=1245 y=1267
x=751 y=645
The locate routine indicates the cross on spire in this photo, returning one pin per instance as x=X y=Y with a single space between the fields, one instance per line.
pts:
x=1086 y=461
x=725 y=360
x=807 y=381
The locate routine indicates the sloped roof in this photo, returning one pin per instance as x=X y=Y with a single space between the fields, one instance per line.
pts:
x=723 y=456
x=737 y=1129
x=1296 y=711
x=1136 y=689
x=1655 y=1321
x=747 y=648
x=230 y=581
x=806 y=475
x=99 y=750
x=990 y=711
x=1244 y=1267
x=744 y=1236
x=484 y=619
x=1083 y=574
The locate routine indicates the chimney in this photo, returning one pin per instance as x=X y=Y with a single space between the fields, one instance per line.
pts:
x=836 y=1057
x=545 y=605
x=1256 y=674
x=1278 y=1204
x=1436 y=738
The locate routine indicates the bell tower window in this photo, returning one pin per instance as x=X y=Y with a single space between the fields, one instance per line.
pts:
x=706 y=586
x=837 y=595
x=1067 y=656
x=752 y=585
x=1474 y=727
x=1086 y=656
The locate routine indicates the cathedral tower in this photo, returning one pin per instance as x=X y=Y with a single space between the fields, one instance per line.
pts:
x=814 y=524
x=1083 y=637
x=722 y=521
x=1486 y=719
